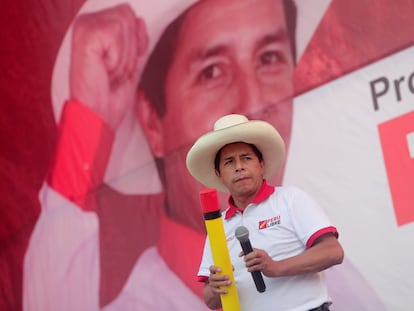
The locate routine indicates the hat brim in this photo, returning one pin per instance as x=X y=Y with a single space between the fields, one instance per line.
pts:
x=200 y=158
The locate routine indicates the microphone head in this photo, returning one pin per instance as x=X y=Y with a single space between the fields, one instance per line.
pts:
x=242 y=234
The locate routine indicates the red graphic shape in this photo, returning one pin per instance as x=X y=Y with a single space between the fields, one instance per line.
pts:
x=399 y=165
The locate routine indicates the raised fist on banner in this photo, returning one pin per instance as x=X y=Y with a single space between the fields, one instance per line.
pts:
x=106 y=60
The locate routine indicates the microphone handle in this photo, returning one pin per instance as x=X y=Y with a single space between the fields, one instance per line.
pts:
x=257 y=275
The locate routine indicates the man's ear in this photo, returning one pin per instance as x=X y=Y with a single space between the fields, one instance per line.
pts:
x=151 y=124
x=262 y=166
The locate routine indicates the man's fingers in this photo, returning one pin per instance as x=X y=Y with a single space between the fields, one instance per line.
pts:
x=140 y=48
x=142 y=36
x=120 y=52
x=214 y=269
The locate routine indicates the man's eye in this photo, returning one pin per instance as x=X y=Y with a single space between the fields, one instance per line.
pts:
x=270 y=58
x=210 y=72
x=228 y=162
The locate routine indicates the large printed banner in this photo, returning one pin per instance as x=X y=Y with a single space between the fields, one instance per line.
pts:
x=101 y=100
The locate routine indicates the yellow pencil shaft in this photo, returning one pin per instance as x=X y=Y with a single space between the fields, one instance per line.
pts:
x=221 y=258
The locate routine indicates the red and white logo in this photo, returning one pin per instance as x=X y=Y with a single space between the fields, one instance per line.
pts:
x=263 y=224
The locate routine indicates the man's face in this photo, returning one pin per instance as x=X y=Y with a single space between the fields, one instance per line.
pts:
x=232 y=56
x=240 y=170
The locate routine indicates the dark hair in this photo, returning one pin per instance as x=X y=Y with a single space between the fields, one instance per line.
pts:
x=291 y=19
x=155 y=72
x=256 y=151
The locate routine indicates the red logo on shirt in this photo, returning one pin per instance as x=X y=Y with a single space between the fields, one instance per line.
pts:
x=263 y=224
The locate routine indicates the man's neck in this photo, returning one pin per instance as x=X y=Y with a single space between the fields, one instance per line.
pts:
x=243 y=200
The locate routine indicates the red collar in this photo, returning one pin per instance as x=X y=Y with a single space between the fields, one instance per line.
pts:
x=264 y=192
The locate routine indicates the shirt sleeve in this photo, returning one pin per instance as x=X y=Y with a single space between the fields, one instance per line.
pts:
x=308 y=218
x=63 y=249
x=64 y=245
x=82 y=154
x=206 y=262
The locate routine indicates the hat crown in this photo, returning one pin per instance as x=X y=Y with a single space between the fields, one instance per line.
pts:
x=229 y=120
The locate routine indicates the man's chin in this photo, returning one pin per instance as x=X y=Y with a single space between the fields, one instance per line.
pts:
x=244 y=189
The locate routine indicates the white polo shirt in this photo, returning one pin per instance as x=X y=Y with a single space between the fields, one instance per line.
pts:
x=283 y=221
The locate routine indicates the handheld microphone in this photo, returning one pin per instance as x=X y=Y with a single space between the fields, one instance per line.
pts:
x=242 y=234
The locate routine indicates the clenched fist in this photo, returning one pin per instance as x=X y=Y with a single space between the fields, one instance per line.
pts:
x=106 y=61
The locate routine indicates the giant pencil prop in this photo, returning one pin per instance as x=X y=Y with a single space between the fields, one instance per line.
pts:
x=218 y=244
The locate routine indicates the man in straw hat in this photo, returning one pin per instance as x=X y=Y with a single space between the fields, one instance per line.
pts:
x=295 y=240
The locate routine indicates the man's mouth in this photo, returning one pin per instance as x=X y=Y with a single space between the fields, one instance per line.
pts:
x=241 y=178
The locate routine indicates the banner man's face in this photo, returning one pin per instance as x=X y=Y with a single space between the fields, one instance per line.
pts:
x=231 y=56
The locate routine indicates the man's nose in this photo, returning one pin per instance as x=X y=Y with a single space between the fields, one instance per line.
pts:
x=238 y=165
x=249 y=90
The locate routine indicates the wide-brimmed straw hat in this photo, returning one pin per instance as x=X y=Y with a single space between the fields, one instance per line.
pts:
x=231 y=129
